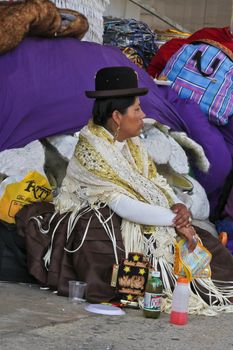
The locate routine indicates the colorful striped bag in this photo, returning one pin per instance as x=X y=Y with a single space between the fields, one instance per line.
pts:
x=203 y=72
x=194 y=264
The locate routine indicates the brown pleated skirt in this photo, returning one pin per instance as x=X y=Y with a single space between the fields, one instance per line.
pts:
x=93 y=261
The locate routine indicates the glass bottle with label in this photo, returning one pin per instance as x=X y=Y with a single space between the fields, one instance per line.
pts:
x=152 y=296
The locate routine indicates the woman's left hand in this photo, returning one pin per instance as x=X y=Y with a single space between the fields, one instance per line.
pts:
x=183 y=215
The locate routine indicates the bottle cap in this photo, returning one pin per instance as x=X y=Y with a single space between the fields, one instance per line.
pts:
x=155 y=273
x=182 y=280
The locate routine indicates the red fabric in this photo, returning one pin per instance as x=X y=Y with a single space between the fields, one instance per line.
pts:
x=158 y=62
x=160 y=59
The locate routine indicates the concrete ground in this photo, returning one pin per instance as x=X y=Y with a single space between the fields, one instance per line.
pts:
x=37 y=319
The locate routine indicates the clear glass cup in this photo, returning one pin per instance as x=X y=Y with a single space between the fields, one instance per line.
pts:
x=77 y=291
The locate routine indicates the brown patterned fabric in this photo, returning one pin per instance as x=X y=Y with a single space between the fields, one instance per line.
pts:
x=131 y=53
x=37 y=18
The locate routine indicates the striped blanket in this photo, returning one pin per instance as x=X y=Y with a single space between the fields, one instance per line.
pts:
x=203 y=72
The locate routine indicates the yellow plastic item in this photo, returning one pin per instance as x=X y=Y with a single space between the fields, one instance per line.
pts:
x=34 y=187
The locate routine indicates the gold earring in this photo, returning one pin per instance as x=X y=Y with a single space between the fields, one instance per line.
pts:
x=116 y=134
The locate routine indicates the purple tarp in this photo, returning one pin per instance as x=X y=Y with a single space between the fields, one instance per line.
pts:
x=42 y=93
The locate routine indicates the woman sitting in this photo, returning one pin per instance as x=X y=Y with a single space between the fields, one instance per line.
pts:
x=111 y=166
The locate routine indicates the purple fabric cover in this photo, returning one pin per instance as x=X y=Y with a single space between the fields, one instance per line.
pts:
x=228 y=210
x=42 y=93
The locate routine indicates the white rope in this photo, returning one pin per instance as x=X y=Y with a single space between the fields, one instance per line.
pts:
x=47 y=256
x=75 y=216
x=38 y=220
x=111 y=234
x=73 y=219
x=112 y=226
x=132 y=237
x=83 y=238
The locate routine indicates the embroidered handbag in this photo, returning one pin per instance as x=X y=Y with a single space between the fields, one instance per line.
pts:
x=130 y=276
x=194 y=264
x=202 y=72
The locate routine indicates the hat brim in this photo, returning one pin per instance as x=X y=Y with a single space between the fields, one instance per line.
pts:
x=116 y=93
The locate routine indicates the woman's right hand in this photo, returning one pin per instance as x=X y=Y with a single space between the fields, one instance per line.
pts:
x=183 y=215
x=190 y=234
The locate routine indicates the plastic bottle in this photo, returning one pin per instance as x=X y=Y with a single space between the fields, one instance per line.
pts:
x=180 y=301
x=152 y=297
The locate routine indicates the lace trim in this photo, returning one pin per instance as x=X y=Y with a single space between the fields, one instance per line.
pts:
x=94 y=162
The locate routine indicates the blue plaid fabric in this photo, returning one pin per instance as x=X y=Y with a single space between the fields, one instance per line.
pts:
x=212 y=89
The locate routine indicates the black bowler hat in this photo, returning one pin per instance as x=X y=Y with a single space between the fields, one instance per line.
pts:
x=116 y=82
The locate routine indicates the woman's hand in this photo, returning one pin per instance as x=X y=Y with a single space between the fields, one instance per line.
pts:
x=183 y=216
x=190 y=234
